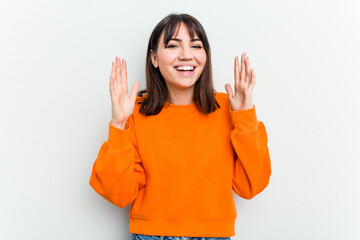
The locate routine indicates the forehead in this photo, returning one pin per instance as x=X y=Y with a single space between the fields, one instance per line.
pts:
x=184 y=29
x=181 y=30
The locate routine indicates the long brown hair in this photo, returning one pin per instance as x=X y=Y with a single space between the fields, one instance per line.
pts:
x=156 y=90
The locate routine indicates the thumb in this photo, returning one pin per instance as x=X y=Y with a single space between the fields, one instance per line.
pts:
x=228 y=89
x=134 y=89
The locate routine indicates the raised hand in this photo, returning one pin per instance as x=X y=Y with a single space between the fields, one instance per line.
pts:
x=244 y=84
x=122 y=104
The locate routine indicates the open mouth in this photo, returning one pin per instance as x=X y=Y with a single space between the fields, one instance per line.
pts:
x=185 y=68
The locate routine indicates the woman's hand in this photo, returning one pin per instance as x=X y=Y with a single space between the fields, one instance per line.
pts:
x=122 y=104
x=244 y=84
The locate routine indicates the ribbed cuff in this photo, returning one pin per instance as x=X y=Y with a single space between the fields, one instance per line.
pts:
x=245 y=121
x=118 y=137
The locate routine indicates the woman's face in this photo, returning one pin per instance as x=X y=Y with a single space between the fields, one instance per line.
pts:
x=181 y=61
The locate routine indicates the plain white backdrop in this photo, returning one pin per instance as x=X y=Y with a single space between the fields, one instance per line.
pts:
x=55 y=63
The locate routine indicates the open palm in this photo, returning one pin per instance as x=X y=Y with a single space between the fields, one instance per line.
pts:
x=122 y=104
x=244 y=85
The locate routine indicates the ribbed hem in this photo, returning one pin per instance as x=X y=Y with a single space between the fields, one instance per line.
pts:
x=182 y=227
x=245 y=121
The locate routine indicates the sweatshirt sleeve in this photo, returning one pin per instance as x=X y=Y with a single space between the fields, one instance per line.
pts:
x=118 y=173
x=252 y=167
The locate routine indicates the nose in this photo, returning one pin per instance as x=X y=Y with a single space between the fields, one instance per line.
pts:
x=185 y=53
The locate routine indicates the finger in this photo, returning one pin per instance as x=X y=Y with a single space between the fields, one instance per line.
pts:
x=236 y=73
x=236 y=69
x=118 y=76
x=113 y=70
x=248 y=67
x=242 y=72
x=124 y=75
x=252 y=81
x=112 y=78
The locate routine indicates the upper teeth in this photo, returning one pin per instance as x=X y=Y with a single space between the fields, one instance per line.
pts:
x=185 y=68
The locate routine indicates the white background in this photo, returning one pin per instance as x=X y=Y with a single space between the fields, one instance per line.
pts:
x=55 y=63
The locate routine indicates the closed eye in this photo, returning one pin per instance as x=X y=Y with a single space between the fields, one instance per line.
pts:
x=197 y=46
x=171 y=46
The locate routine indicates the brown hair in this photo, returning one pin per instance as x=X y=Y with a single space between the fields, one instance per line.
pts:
x=156 y=90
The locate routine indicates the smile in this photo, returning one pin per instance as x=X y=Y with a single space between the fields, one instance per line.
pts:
x=185 y=68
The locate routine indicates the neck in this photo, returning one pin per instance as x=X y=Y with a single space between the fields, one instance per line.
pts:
x=181 y=97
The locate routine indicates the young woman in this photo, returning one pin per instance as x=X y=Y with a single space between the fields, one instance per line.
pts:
x=178 y=149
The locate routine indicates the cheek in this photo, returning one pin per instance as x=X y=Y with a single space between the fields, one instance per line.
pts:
x=201 y=58
x=166 y=59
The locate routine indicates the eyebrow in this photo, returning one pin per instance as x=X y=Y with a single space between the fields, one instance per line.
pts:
x=179 y=40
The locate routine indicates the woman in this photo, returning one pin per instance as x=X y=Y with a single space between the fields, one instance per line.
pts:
x=178 y=153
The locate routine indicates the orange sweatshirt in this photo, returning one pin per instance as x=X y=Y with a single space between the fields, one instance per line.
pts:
x=178 y=169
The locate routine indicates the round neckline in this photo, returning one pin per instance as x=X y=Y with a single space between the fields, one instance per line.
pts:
x=180 y=106
x=180 y=109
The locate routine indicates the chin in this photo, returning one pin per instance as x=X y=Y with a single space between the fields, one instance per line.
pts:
x=187 y=85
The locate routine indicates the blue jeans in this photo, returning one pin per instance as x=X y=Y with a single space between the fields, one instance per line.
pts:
x=135 y=236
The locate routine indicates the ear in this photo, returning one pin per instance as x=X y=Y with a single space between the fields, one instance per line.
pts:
x=154 y=58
